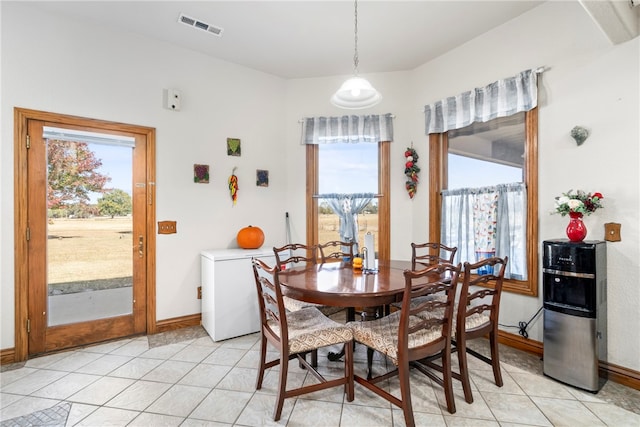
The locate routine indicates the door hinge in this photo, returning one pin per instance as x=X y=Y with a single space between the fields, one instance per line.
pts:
x=28 y=326
x=28 y=142
x=28 y=234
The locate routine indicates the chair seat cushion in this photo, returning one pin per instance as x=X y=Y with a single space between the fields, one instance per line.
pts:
x=471 y=322
x=474 y=321
x=294 y=305
x=382 y=334
x=309 y=329
x=419 y=300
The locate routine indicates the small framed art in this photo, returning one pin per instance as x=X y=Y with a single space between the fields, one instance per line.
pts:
x=201 y=174
x=233 y=147
x=262 y=178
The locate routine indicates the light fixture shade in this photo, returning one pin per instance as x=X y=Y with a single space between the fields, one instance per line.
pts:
x=356 y=93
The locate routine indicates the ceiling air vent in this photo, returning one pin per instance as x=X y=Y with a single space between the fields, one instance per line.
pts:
x=192 y=22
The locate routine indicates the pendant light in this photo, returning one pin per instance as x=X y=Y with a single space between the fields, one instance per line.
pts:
x=356 y=92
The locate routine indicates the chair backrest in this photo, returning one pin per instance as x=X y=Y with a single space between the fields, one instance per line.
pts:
x=423 y=310
x=273 y=318
x=485 y=299
x=336 y=250
x=426 y=254
x=294 y=253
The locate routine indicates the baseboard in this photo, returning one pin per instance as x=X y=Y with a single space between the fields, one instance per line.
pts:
x=7 y=356
x=178 y=322
x=520 y=343
x=618 y=374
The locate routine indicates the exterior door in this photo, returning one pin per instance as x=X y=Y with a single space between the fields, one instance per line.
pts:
x=89 y=214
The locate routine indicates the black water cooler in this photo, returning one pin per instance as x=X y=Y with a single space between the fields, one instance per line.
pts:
x=575 y=311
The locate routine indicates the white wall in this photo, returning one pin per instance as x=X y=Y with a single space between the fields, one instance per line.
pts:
x=310 y=97
x=52 y=63
x=590 y=83
x=56 y=64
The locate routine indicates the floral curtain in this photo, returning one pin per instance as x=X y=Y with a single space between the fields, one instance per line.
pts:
x=325 y=130
x=498 y=99
x=347 y=207
x=487 y=221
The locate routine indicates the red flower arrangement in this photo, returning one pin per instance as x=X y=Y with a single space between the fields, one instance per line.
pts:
x=411 y=170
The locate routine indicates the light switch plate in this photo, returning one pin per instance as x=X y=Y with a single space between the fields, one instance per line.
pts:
x=167 y=227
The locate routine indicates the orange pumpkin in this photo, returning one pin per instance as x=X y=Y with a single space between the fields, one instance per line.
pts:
x=250 y=237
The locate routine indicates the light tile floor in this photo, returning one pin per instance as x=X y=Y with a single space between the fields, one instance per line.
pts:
x=183 y=378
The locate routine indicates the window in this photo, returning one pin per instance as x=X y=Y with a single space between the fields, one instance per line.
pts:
x=347 y=168
x=353 y=169
x=467 y=158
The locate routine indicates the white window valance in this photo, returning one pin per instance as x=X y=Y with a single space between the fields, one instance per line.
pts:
x=327 y=130
x=498 y=99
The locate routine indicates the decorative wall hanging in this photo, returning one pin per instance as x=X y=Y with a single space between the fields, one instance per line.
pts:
x=201 y=174
x=411 y=170
x=580 y=134
x=262 y=178
x=233 y=186
x=233 y=147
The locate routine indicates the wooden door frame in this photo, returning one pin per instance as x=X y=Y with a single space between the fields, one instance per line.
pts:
x=21 y=276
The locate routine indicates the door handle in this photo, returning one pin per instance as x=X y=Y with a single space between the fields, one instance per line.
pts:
x=140 y=246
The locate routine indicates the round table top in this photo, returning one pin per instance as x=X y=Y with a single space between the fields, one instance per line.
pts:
x=338 y=284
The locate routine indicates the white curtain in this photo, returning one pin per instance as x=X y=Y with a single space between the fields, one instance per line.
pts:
x=498 y=99
x=325 y=130
x=487 y=221
x=347 y=207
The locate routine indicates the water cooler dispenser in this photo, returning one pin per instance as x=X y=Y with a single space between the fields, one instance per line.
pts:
x=575 y=311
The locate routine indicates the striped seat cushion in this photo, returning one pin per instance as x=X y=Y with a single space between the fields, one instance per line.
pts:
x=382 y=334
x=309 y=329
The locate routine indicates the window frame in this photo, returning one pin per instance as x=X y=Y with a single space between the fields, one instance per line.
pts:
x=384 y=205
x=438 y=151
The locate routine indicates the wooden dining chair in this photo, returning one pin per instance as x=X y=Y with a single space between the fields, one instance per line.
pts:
x=297 y=254
x=336 y=251
x=477 y=317
x=292 y=254
x=477 y=311
x=294 y=334
x=426 y=254
x=406 y=339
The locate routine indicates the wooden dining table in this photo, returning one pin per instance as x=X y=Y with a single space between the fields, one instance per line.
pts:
x=338 y=284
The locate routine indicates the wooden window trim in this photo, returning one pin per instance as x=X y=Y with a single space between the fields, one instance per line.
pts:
x=438 y=148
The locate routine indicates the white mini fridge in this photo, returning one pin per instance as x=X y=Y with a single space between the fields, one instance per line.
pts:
x=229 y=297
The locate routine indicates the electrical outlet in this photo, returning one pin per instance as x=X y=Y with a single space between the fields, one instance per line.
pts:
x=199 y=292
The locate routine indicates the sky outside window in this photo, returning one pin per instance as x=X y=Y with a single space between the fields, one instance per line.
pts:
x=348 y=168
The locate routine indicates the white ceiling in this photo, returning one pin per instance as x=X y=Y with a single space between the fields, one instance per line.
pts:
x=300 y=39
